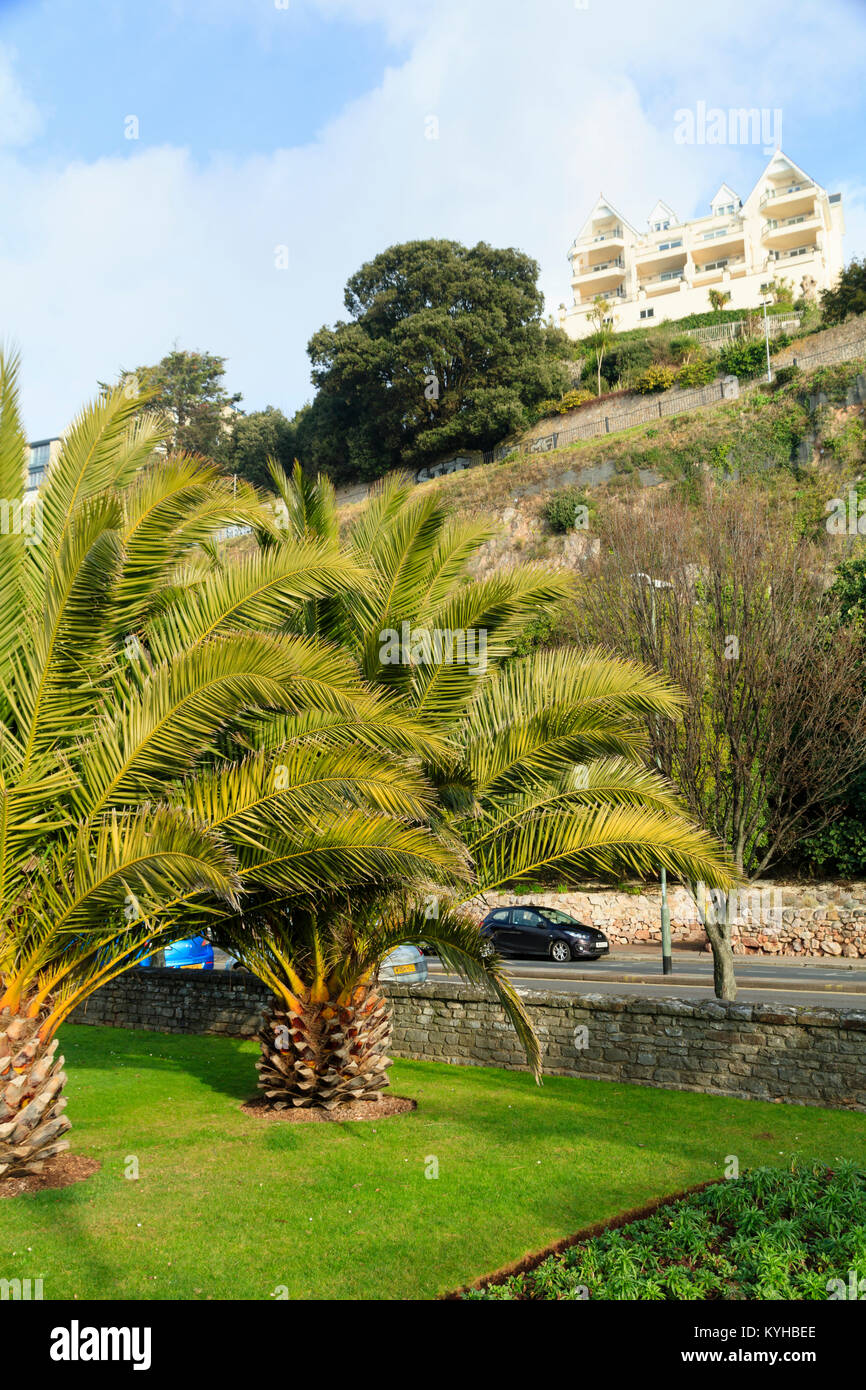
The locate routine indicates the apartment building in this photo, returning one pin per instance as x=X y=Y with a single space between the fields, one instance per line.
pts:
x=788 y=228
x=39 y=455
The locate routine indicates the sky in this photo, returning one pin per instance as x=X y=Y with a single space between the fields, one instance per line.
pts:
x=207 y=174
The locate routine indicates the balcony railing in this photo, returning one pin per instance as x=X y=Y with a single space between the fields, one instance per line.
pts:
x=616 y=264
x=615 y=235
x=786 y=191
x=797 y=251
x=670 y=277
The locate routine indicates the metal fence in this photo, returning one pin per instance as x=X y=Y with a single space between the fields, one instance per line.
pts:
x=741 y=328
x=830 y=356
x=672 y=403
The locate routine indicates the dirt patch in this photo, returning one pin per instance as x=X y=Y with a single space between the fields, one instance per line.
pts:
x=613 y=1223
x=61 y=1171
x=355 y=1110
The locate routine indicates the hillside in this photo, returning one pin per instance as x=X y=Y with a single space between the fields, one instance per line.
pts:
x=803 y=441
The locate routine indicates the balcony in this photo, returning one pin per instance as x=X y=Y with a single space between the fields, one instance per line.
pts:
x=715 y=270
x=794 y=254
x=666 y=280
x=603 y=273
x=670 y=253
x=611 y=234
x=789 y=199
x=784 y=233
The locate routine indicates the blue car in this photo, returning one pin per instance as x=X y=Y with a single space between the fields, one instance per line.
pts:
x=195 y=953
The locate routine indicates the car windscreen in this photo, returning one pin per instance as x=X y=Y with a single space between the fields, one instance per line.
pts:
x=560 y=919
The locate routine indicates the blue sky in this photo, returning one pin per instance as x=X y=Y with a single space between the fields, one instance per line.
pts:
x=301 y=135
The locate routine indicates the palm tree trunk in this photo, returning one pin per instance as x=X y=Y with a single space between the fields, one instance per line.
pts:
x=326 y=1053
x=31 y=1099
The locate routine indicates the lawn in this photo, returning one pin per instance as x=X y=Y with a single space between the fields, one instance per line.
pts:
x=228 y=1206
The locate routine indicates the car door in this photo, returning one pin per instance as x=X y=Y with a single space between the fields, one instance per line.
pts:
x=530 y=934
x=503 y=931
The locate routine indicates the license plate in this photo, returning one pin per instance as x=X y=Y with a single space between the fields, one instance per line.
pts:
x=601 y=946
x=404 y=970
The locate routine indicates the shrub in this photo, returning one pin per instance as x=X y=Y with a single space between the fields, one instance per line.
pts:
x=699 y=373
x=565 y=510
x=744 y=358
x=783 y=375
x=574 y=398
x=656 y=378
x=632 y=356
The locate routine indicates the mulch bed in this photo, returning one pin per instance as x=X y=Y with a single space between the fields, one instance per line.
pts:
x=613 y=1223
x=61 y=1171
x=382 y=1109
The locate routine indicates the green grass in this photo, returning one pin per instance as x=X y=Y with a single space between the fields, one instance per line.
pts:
x=771 y=1234
x=231 y=1207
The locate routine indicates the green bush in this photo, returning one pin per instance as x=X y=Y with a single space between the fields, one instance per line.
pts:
x=744 y=358
x=656 y=378
x=699 y=373
x=574 y=398
x=627 y=358
x=565 y=510
x=783 y=375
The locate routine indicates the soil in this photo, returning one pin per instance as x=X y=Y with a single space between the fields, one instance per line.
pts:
x=61 y=1171
x=355 y=1110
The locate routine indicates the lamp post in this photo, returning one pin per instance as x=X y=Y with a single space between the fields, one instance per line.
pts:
x=765 y=302
x=667 y=958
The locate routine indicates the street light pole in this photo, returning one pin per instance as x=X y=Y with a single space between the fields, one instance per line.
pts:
x=767 y=339
x=667 y=958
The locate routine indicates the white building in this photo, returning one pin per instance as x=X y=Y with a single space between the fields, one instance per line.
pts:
x=39 y=455
x=788 y=228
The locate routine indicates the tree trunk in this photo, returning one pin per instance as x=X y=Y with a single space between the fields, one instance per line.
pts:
x=724 y=979
x=326 y=1054
x=31 y=1099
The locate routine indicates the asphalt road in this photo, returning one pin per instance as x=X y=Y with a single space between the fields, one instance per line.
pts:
x=793 y=982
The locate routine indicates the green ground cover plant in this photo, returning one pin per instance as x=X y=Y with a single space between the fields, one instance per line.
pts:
x=793 y=1233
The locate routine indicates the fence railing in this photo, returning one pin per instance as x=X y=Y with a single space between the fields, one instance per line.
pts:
x=671 y=403
x=829 y=356
x=741 y=328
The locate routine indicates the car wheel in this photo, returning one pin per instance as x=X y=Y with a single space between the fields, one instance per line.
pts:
x=561 y=951
x=487 y=949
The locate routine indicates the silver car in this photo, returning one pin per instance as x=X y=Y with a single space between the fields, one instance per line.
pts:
x=405 y=964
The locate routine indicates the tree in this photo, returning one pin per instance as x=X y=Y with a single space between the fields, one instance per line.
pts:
x=256 y=438
x=445 y=348
x=603 y=335
x=135 y=806
x=847 y=296
x=187 y=387
x=536 y=766
x=719 y=298
x=731 y=607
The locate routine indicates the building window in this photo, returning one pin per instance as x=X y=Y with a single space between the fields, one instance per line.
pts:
x=37 y=463
x=647 y=313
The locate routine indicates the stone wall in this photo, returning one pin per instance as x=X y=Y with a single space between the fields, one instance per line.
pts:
x=809 y=1056
x=820 y=919
x=846 y=340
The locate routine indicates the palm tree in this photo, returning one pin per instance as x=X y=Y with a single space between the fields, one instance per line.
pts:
x=134 y=655
x=538 y=767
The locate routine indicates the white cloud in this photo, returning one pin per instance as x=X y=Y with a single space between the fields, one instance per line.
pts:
x=539 y=106
x=19 y=116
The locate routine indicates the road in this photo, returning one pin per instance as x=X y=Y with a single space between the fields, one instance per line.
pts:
x=784 y=980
